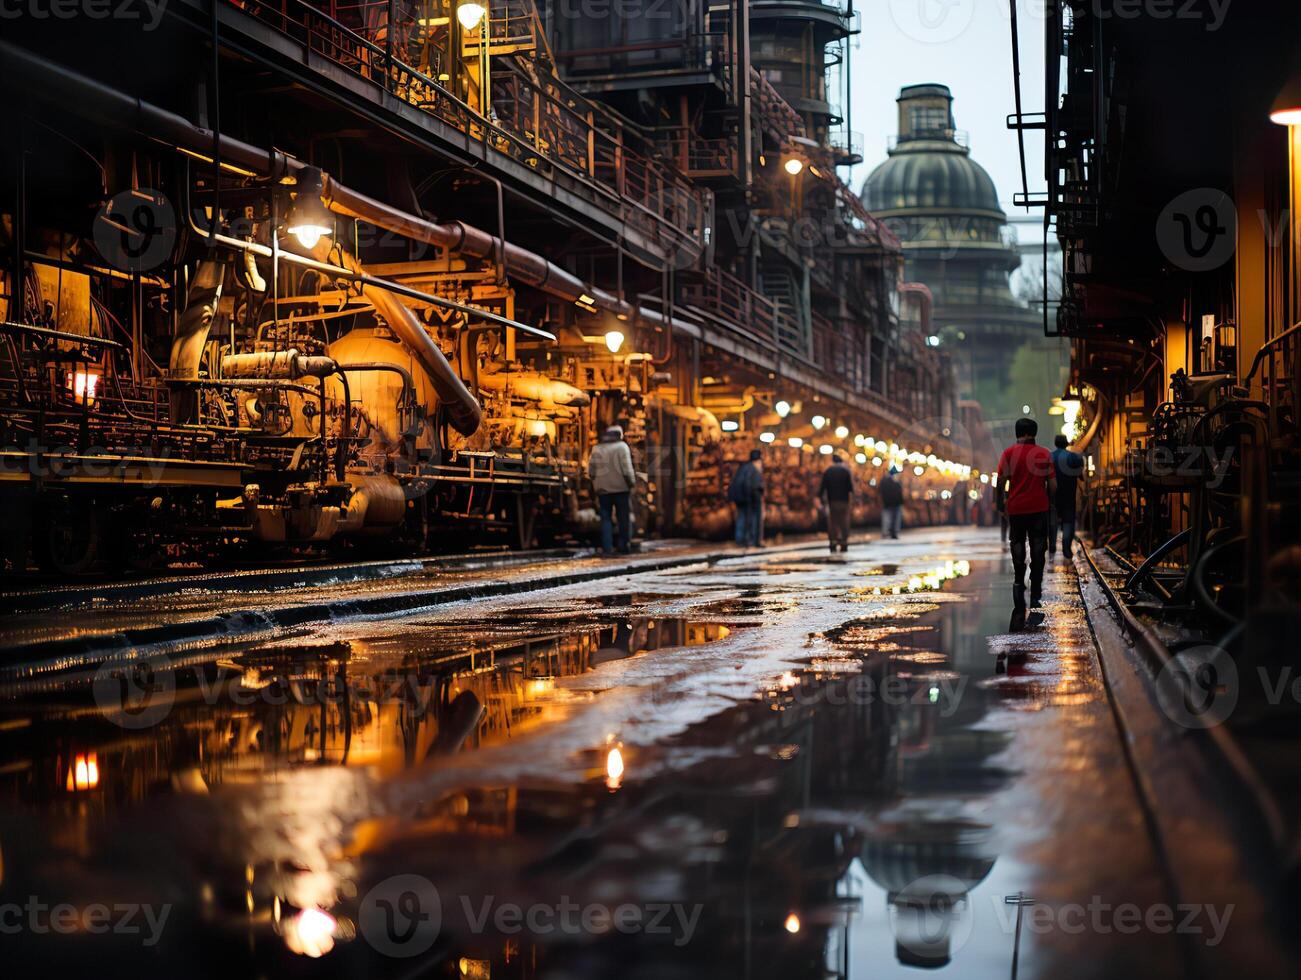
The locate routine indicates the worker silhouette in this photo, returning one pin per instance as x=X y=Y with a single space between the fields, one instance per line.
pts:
x=891 y=504
x=836 y=492
x=746 y=492
x=1023 y=488
x=613 y=479
x=1068 y=467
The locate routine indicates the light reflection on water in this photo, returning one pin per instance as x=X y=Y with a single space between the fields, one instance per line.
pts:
x=283 y=804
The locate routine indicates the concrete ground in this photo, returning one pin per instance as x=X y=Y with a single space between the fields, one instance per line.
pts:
x=775 y=763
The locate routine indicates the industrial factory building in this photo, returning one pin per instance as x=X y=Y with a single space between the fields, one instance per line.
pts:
x=349 y=276
x=944 y=208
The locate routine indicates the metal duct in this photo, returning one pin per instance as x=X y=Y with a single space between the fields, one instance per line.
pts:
x=191 y=337
x=463 y=410
x=74 y=91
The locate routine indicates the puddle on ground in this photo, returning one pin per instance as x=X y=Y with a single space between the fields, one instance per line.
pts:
x=298 y=829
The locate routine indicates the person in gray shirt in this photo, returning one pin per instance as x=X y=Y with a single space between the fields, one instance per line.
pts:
x=613 y=479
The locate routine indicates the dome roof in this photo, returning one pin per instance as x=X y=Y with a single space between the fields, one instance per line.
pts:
x=936 y=175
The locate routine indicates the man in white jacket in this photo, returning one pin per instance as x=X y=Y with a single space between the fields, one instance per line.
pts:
x=613 y=479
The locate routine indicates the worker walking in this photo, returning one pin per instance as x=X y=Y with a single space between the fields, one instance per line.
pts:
x=613 y=479
x=836 y=491
x=891 y=504
x=746 y=492
x=1023 y=488
x=1068 y=468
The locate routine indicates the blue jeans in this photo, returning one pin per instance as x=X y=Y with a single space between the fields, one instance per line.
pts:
x=610 y=503
x=1067 y=525
x=749 y=525
x=891 y=521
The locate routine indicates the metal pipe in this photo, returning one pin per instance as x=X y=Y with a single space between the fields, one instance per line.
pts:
x=60 y=335
x=77 y=92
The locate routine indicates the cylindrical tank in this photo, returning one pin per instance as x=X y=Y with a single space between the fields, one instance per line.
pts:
x=378 y=392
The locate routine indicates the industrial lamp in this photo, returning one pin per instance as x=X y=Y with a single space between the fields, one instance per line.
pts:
x=782 y=408
x=470 y=14
x=308 y=219
x=793 y=166
x=1286 y=110
x=614 y=340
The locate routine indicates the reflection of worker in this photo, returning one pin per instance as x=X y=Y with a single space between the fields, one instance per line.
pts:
x=891 y=504
x=610 y=467
x=746 y=492
x=836 y=489
x=1068 y=466
x=1023 y=488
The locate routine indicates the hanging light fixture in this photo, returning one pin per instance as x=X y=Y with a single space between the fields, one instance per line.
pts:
x=470 y=15
x=1286 y=110
x=308 y=219
x=782 y=408
x=614 y=340
x=793 y=166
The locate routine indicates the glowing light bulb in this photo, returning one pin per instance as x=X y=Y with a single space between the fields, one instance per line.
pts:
x=614 y=340
x=614 y=767
x=792 y=923
x=470 y=14
x=782 y=408
x=766 y=437
x=841 y=431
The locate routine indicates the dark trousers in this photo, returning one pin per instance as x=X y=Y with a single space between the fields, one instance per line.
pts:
x=611 y=503
x=1033 y=527
x=838 y=523
x=749 y=524
x=1064 y=522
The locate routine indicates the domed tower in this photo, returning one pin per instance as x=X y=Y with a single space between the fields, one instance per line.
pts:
x=944 y=208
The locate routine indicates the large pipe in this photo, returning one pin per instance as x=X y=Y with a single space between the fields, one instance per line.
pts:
x=75 y=91
x=463 y=410
x=191 y=338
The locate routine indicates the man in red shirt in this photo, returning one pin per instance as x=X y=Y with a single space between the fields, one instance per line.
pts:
x=1024 y=484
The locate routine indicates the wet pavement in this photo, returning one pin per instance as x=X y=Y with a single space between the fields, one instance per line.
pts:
x=787 y=764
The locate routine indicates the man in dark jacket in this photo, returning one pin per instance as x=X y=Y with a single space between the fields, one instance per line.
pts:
x=746 y=492
x=836 y=490
x=891 y=505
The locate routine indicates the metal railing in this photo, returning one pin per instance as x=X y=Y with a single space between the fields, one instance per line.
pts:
x=538 y=120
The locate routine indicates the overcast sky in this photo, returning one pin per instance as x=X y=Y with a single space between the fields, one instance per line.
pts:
x=966 y=45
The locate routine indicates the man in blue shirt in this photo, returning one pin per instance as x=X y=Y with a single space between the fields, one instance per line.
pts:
x=1069 y=467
